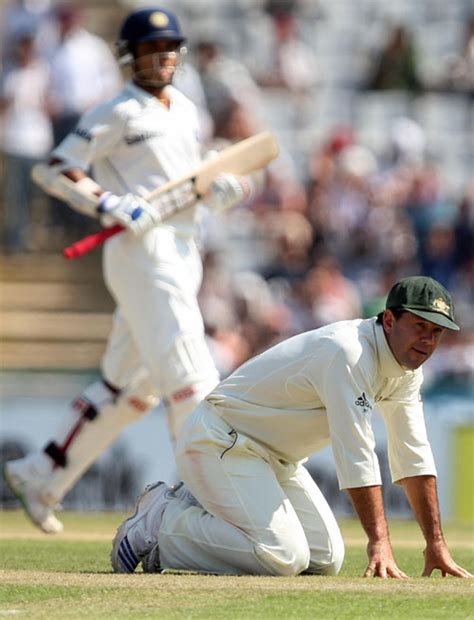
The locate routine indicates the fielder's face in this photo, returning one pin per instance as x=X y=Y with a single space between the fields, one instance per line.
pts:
x=412 y=339
x=155 y=62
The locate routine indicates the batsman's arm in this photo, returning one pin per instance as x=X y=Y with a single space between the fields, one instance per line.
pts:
x=227 y=191
x=45 y=176
x=422 y=494
x=73 y=185
x=368 y=504
x=130 y=211
x=222 y=176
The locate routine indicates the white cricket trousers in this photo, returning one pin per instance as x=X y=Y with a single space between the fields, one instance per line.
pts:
x=154 y=280
x=257 y=514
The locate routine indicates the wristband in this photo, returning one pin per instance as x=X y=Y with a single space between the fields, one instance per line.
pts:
x=107 y=202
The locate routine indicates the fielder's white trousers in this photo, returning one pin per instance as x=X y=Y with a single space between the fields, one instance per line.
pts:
x=257 y=514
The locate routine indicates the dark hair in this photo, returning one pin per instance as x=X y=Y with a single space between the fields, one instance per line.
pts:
x=397 y=313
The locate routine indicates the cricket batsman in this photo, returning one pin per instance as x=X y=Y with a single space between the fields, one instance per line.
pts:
x=249 y=506
x=119 y=152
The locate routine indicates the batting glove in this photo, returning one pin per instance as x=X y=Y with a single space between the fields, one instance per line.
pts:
x=130 y=210
x=228 y=190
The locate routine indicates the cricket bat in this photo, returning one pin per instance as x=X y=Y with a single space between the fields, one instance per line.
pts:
x=241 y=158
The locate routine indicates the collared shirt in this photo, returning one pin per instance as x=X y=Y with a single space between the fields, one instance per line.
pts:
x=135 y=144
x=322 y=387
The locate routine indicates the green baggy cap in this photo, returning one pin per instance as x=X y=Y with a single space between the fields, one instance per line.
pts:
x=424 y=297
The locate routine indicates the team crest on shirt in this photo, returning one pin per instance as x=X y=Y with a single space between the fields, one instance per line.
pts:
x=363 y=402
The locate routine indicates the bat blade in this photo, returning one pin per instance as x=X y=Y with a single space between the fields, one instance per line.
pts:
x=241 y=158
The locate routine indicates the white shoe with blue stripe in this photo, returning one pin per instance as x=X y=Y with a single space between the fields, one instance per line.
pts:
x=138 y=534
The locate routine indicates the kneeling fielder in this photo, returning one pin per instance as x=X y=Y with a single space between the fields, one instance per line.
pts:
x=249 y=506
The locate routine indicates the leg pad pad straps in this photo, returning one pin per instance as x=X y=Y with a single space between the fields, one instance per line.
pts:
x=56 y=454
x=85 y=409
x=88 y=413
x=100 y=416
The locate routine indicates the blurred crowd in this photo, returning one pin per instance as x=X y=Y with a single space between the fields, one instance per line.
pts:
x=327 y=233
x=53 y=70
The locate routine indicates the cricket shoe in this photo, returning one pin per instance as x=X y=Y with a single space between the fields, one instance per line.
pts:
x=182 y=493
x=24 y=481
x=138 y=534
x=151 y=562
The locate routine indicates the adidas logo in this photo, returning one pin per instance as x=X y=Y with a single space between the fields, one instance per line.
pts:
x=363 y=402
x=127 y=556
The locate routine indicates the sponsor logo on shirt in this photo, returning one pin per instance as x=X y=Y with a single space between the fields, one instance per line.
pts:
x=82 y=133
x=143 y=137
x=363 y=402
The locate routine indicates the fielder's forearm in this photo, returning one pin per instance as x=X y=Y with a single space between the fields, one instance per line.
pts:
x=422 y=494
x=368 y=504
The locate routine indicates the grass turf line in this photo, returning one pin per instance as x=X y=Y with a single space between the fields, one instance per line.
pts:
x=69 y=576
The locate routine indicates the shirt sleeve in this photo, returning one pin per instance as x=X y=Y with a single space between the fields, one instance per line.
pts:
x=96 y=135
x=347 y=393
x=409 y=450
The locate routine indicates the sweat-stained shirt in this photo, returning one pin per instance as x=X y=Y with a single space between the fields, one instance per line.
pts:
x=322 y=387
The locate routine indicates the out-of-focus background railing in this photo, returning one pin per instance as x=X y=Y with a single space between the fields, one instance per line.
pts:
x=373 y=105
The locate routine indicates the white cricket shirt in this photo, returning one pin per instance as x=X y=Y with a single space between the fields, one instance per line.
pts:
x=84 y=72
x=322 y=387
x=26 y=128
x=135 y=144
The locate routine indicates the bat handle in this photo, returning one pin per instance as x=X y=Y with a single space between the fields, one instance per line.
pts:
x=87 y=244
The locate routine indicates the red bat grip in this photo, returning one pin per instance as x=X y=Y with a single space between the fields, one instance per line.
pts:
x=83 y=246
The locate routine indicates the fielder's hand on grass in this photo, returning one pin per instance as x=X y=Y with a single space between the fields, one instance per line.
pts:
x=381 y=561
x=437 y=557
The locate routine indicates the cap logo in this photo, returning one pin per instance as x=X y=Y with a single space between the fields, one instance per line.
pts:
x=159 y=19
x=441 y=306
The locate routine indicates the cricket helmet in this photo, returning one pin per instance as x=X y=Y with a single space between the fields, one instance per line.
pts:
x=149 y=24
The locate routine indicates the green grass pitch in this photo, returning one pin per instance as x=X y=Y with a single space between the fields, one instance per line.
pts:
x=69 y=576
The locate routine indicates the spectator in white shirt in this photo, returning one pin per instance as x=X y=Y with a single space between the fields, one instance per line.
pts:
x=26 y=136
x=84 y=73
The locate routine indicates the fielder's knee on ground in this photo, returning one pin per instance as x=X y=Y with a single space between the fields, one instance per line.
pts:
x=329 y=562
x=191 y=538
x=289 y=559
